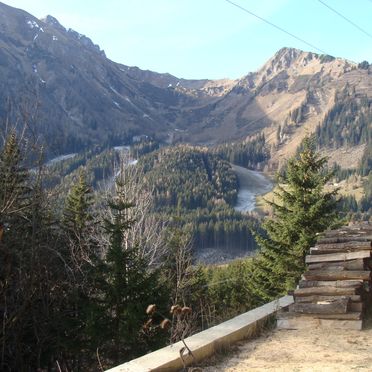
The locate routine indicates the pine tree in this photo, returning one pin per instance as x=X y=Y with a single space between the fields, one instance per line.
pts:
x=79 y=222
x=301 y=210
x=126 y=287
x=14 y=191
x=81 y=253
x=30 y=269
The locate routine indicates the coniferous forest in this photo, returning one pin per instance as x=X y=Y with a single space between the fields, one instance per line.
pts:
x=89 y=244
x=79 y=268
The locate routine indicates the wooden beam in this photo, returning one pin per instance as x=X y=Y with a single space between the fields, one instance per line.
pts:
x=348 y=245
x=319 y=298
x=339 y=265
x=349 y=231
x=324 y=291
x=337 y=275
x=336 y=283
x=346 y=239
x=337 y=306
x=356 y=307
x=326 y=249
x=337 y=256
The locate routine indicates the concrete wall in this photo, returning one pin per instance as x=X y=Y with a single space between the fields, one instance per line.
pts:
x=206 y=343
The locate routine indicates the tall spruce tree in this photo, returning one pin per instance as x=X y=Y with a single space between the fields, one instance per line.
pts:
x=82 y=256
x=126 y=286
x=79 y=222
x=302 y=208
x=30 y=267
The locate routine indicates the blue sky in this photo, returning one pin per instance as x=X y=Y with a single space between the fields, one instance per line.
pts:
x=209 y=38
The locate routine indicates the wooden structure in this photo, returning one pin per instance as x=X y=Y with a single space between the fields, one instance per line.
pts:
x=337 y=286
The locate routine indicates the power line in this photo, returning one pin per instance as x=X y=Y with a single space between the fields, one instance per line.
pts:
x=275 y=26
x=346 y=19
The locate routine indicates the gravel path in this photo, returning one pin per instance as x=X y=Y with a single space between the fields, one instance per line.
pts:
x=300 y=351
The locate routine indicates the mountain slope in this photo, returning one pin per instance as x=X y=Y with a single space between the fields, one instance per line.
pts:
x=89 y=98
x=82 y=99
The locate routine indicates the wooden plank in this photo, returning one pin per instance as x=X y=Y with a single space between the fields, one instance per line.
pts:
x=349 y=231
x=345 y=239
x=324 y=291
x=337 y=275
x=348 y=245
x=339 y=265
x=323 y=249
x=356 y=307
x=334 y=257
x=317 y=298
x=336 y=283
x=337 y=306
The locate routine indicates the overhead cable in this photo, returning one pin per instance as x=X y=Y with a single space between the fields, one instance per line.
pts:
x=346 y=19
x=276 y=26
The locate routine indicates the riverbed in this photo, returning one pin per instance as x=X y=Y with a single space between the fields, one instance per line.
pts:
x=251 y=184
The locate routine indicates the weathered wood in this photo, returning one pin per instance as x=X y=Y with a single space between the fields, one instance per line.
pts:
x=335 y=257
x=324 y=291
x=319 y=250
x=348 y=232
x=337 y=283
x=326 y=249
x=356 y=306
x=337 y=275
x=345 y=239
x=348 y=245
x=339 y=265
x=338 y=306
x=318 y=298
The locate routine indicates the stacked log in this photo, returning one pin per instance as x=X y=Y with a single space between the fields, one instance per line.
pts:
x=336 y=287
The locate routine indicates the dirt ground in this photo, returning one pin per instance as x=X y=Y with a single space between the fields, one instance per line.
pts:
x=300 y=351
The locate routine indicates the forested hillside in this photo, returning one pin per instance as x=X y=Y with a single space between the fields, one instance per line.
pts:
x=80 y=270
x=189 y=177
x=198 y=188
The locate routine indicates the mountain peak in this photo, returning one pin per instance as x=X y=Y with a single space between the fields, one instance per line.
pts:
x=52 y=21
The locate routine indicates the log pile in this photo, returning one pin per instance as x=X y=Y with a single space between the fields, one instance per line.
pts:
x=337 y=286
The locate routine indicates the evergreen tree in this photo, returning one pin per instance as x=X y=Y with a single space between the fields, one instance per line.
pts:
x=126 y=287
x=81 y=253
x=79 y=222
x=30 y=267
x=301 y=210
x=14 y=191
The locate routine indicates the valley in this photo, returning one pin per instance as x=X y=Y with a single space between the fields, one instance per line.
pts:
x=126 y=194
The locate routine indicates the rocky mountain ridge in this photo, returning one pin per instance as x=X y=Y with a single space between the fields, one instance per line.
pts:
x=76 y=97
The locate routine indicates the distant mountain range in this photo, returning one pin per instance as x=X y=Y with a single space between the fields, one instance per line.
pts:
x=64 y=87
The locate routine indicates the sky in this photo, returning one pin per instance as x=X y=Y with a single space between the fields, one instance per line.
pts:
x=212 y=39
